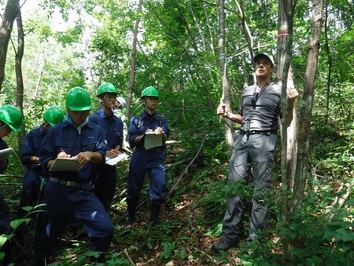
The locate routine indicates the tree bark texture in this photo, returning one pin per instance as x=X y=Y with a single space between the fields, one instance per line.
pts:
x=226 y=94
x=307 y=102
x=19 y=76
x=288 y=143
x=11 y=11
x=132 y=64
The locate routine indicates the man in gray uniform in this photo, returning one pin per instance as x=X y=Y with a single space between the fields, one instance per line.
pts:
x=258 y=114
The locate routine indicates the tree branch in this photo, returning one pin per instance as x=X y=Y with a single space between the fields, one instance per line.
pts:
x=186 y=169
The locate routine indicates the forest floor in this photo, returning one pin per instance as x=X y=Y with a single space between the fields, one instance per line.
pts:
x=185 y=238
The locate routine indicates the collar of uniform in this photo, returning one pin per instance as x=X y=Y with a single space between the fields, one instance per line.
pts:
x=68 y=120
x=145 y=114
x=103 y=114
x=41 y=130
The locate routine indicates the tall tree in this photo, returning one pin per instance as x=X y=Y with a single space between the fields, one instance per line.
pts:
x=226 y=94
x=11 y=11
x=284 y=73
x=289 y=208
x=133 y=59
x=18 y=66
x=307 y=102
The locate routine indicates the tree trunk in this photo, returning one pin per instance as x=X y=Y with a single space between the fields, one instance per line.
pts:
x=226 y=94
x=40 y=76
x=10 y=13
x=288 y=140
x=289 y=208
x=19 y=76
x=329 y=58
x=132 y=64
x=307 y=102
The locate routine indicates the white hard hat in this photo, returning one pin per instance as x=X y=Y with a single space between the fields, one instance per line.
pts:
x=122 y=102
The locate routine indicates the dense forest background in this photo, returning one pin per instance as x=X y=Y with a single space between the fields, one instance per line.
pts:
x=175 y=46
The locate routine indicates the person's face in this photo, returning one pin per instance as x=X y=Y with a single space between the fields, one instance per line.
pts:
x=109 y=100
x=78 y=117
x=5 y=130
x=151 y=102
x=263 y=67
x=117 y=106
x=46 y=126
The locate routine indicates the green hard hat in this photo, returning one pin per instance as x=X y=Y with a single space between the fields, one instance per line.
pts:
x=106 y=88
x=53 y=115
x=11 y=116
x=78 y=99
x=150 y=91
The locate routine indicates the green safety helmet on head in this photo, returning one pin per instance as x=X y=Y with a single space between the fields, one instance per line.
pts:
x=11 y=116
x=150 y=92
x=106 y=88
x=53 y=115
x=78 y=99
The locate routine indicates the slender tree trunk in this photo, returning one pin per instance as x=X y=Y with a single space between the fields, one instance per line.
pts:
x=250 y=43
x=288 y=134
x=245 y=27
x=289 y=208
x=307 y=102
x=329 y=58
x=132 y=64
x=41 y=71
x=19 y=76
x=10 y=13
x=226 y=94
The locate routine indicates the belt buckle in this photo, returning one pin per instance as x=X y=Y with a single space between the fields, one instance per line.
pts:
x=70 y=183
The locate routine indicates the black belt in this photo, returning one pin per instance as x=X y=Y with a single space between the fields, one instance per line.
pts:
x=74 y=184
x=261 y=132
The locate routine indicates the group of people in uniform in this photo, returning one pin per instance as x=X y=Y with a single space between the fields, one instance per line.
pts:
x=86 y=195
x=82 y=198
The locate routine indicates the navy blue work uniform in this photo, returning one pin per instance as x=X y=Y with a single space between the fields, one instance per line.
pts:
x=254 y=148
x=147 y=161
x=106 y=182
x=5 y=218
x=67 y=194
x=34 y=174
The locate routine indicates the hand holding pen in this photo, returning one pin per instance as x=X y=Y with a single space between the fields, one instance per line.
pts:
x=63 y=154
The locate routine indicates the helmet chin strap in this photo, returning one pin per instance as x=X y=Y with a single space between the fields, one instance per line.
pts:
x=149 y=111
x=3 y=126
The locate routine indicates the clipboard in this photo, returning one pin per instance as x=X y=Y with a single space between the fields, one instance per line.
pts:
x=4 y=154
x=115 y=160
x=65 y=165
x=151 y=140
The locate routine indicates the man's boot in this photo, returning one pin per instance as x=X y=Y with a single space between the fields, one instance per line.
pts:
x=132 y=206
x=223 y=244
x=155 y=211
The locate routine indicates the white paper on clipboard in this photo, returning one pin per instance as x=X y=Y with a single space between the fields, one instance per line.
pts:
x=151 y=140
x=4 y=154
x=65 y=165
x=115 y=160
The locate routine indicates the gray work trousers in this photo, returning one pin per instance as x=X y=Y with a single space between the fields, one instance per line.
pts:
x=254 y=152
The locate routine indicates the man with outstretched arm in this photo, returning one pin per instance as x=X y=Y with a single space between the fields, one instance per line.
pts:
x=254 y=149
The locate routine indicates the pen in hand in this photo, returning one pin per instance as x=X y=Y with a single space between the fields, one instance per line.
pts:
x=63 y=154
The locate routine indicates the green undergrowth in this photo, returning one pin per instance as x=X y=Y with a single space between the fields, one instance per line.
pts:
x=196 y=180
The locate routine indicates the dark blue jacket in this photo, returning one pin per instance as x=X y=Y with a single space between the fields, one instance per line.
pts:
x=73 y=140
x=140 y=123
x=111 y=125
x=31 y=147
x=3 y=145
